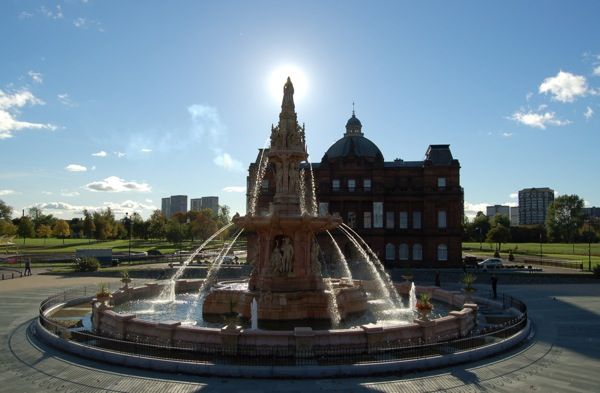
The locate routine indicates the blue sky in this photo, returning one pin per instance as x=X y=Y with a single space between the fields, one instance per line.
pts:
x=119 y=103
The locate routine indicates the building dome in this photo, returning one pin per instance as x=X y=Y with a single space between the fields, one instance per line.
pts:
x=354 y=144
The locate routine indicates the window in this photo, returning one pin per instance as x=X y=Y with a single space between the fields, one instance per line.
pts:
x=335 y=184
x=390 y=253
x=416 y=220
x=323 y=208
x=442 y=252
x=377 y=214
x=403 y=252
x=403 y=220
x=441 y=218
x=367 y=220
x=441 y=183
x=367 y=184
x=389 y=220
x=351 y=185
x=417 y=252
x=352 y=219
x=265 y=185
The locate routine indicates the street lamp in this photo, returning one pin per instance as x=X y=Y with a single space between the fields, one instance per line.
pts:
x=589 y=222
x=128 y=222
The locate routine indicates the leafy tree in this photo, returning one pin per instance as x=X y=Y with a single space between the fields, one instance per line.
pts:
x=5 y=211
x=203 y=225
x=140 y=227
x=76 y=225
x=104 y=221
x=174 y=232
x=156 y=225
x=25 y=228
x=7 y=227
x=498 y=234
x=88 y=225
x=44 y=231
x=501 y=219
x=564 y=218
x=61 y=230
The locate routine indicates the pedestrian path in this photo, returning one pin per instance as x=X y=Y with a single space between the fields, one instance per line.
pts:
x=563 y=356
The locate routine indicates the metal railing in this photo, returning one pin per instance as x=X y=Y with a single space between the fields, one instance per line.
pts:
x=287 y=354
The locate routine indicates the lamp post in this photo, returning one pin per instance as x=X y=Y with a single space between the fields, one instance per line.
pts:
x=128 y=222
x=541 y=251
x=589 y=222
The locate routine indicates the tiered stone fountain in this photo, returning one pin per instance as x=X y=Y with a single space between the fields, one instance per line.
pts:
x=286 y=279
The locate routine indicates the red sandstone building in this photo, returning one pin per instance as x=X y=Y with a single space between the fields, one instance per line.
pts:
x=409 y=212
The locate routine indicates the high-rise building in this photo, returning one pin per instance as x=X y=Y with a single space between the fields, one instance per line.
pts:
x=196 y=204
x=533 y=205
x=514 y=216
x=491 y=211
x=212 y=203
x=591 y=212
x=178 y=204
x=165 y=207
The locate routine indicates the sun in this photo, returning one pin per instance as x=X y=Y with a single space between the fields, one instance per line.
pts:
x=279 y=76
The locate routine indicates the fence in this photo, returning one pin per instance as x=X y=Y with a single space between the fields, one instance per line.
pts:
x=555 y=263
x=285 y=355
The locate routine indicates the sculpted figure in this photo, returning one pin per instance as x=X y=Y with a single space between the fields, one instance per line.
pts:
x=287 y=250
x=276 y=259
x=292 y=179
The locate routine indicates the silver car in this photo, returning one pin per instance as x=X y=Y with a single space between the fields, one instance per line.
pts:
x=491 y=263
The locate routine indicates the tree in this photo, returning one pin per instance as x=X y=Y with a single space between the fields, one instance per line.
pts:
x=498 y=234
x=61 y=230
x=174 y=232
x=156 y=225
x=5 y=211
x=7 y=227
x=25 y=228
x=44 y=231
x=565 y=216
x=88 y=225
x=501 y=219
x=203 y=225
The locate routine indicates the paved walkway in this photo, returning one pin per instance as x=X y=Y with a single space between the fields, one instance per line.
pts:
x=563 y=356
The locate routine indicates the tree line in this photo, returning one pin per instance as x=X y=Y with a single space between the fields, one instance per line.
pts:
x=102 y=225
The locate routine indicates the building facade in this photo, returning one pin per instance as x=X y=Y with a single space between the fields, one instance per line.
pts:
x=179 y=204
x=165 y=207
x=196 y=204
x=533 y=205
x=514 y=216
x=491 y=211
x=409 y=212
x=209 y=202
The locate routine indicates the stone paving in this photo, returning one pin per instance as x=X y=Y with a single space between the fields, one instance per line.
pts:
x=563 y=356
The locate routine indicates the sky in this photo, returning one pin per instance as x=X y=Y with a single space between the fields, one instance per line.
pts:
x=120 y=103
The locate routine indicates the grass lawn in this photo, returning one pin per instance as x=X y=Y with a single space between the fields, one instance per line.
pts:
x=559 y=251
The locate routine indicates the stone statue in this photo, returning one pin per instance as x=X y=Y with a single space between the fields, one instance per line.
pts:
x=287 y=250
x=292 y=179
x=288 y=94
x=276 y=259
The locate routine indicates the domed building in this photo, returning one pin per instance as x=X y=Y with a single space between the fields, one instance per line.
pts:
x=409 y=212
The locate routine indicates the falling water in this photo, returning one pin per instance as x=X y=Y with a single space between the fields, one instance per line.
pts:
x=302 y=192
x=260 y=173
x=412 y=298
x=379 y=267
x=168 y=293
x=384 y=283
x=332 y=304
x=340 y=260
x=214 y=269
x=313 y=192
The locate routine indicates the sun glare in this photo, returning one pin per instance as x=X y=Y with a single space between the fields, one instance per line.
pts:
x=278 y=78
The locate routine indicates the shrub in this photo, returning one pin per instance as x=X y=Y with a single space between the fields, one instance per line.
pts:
x=496 y=254
x=87 y=264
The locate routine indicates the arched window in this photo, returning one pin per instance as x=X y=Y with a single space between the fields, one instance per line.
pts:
x=442 y=252
x=417 y=252
x=390 y=253
x=403 y=252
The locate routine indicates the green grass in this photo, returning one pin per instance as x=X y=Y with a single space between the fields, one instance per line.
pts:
x=559 y=251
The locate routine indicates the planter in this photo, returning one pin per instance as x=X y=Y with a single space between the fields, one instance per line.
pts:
x=103 y=297
x=424 y=311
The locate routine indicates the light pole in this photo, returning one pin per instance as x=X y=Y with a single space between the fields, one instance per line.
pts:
x=589 y=222
x=128 y=222
x=541 y=251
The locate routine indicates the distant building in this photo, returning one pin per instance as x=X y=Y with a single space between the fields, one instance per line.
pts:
x=491 y=211
x=591 y=212
x=165 y=207
x=196 y=204
x=514 y=216
x=178 y=204
x=212 y=203
x=533 y=205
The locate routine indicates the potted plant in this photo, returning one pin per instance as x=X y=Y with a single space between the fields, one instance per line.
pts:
x=424 y=305
x=125 y=279
x=468 y=280
x=103 y=295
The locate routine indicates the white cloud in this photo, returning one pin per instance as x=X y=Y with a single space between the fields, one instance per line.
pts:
x=228 y=163
x=101 y=153
x=589 y=112
x=528 y=96
x=116 y=184
x=93 y=167
x=47 y=192
x=564 y=87
x=235 y=189
x=206 y=120
x=538 y=120
x=128 y=206
x=75 y=168
x=63 y=206
x=83 y=23
x=67 y=193
x=597 y=71
x=65 y=99
x=52 y=14
x=146 y=150
x=116 y=207
x=119 y=154
x=35 y=76
x=514 y=195
x=471 y=209
x=507 y=134
x=7 y=192
x=9 y=109
x=148 y=200
x=25 y=15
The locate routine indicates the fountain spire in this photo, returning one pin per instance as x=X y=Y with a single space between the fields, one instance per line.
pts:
x=287 y=104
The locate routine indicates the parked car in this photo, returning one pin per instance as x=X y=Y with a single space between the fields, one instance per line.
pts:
x=491 y=263
x=154 y=252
